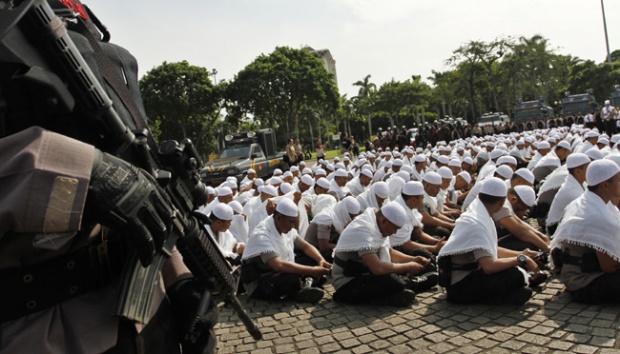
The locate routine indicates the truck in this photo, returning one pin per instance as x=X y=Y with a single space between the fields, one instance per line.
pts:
x=493 y=119
x=532 y=115
x=578 y=105
x=242 y=151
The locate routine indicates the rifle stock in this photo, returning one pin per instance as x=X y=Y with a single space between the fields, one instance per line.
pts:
x=174 y=165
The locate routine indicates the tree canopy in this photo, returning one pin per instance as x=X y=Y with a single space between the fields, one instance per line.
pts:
x=276 y=88
x=182 y=102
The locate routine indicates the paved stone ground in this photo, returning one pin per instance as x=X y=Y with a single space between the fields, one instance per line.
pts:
x=549 y=322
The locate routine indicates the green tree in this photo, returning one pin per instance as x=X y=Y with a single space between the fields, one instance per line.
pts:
x=182 y=101
x=399 y=100
x=276 y=87
x=364 y=99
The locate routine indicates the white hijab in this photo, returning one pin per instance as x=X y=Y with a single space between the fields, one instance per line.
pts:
x=265 y=238
x=363 y=234
x=588 y=221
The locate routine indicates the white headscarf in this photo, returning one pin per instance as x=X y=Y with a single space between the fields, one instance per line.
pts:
x=225 y=241
x=265 y=238
x=239 y=228
x=355 y=186
x=588 y=221
x=321 y=202
x=368 y=199
x=474 y=230
x=363 y=234
x=336 y=215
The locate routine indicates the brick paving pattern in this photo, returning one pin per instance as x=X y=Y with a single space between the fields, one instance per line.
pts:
x=548 y=323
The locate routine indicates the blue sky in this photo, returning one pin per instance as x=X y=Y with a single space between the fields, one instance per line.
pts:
x=384 y=38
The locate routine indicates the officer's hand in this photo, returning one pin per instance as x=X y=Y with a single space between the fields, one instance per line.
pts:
x=128 y=199
x=194 y=327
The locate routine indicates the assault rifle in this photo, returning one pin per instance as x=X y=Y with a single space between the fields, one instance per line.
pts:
x=75 y=85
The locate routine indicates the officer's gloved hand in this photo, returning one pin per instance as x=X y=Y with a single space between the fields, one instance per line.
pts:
x=127 y=199
x=195 y=315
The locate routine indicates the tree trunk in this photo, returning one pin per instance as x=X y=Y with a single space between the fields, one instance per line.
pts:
x=369 y=126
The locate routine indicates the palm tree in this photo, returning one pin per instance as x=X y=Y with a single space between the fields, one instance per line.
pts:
x=364 y=98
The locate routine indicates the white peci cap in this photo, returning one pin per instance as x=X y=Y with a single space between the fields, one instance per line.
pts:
x=494 y=186
x=287 y=207
x=526 y=194
x=413 y=188
x=577 y=159
x=600 y=171
x=395 y=214
x=432 y=178
x=223 y=212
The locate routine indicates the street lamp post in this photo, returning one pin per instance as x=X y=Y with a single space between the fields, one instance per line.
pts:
x=606 y=36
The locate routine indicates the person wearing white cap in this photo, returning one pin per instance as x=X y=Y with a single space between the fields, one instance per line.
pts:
x=249 y=177
x=337 y=186
x=287 y=177
x=488 y=169
x=366 y=269
x=469 y=166
x=542 y=149
x=551 y=161
x=263 y=208
x=360 y=183
x=457 y=192
x=589 y=141
x=224 y=195
x=571 y=189
x=397 y=164
x=211 y=195
x=250 y=190
x=375 y=196
x=305 y=185
x=269 y=269
x=519 y=201
x=435 y=223
x=444 y=205
x=239 y=225
x=603 y=145
x=396 y=184
x=472 y=267
x=424 y=245
x=321 y=186
x=419 y=164
x=587 y=243
x=326 y=226
x=217 y=226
